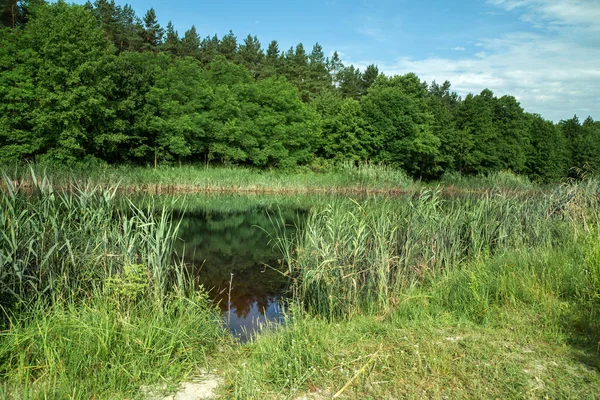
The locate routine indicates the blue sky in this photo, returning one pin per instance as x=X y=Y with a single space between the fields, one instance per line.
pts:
x=546 y=53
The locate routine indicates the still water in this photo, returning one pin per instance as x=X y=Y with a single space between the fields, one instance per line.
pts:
x=230 y=246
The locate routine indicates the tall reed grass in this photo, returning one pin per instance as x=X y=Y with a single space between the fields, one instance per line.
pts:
x=63 y=244
x=94 y=303
x=197 y=178
x=493 y=180
x=351 y=256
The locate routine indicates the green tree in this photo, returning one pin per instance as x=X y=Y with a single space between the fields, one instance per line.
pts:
x=297 y=68
x=571 y=130
x=178 y=103
x=118 y=24
x=350 y=82
x=345 y=135
x=478 y=134
x=286 y=130
x=127 y=135
x=584 y=146
x=15 y=13
x=443 y=105
x=318 y=78
x=271 y=64
x=367 y=78
x=128 y=36
x=228 y=47
x=190 y=44
x=208 y=49
x=251 y=55
x=9 y=13
x=172 y=42
x=547 y=160
x=66 y=53
x=513 y=135
x=230 y=141
x=335 y=67
x=152 y=33
x=17 y=99
x=401 y=127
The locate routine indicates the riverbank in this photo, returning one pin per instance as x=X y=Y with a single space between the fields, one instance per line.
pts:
x=469 y=298
x=345 y=179
x=421 y=296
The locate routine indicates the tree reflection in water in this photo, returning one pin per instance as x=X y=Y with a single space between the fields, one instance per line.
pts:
x=218 y=244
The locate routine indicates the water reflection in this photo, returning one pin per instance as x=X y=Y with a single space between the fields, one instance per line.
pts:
x=234 y=255
x=255 y=318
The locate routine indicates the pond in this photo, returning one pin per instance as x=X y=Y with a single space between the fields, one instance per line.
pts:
x=230 y=245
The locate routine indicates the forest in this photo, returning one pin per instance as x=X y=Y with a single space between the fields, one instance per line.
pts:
x=96 y=83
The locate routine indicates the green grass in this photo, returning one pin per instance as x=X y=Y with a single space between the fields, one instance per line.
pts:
x=493 y=295
x=480 y=297
x=193 y=179
x=93 y=303
x=354 y=255
x=522 y=325
x=494 y=180
x=99 y=349
x=343 y=178
x=395 y=358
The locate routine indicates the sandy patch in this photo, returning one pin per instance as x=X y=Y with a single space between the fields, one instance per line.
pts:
x=199 y=390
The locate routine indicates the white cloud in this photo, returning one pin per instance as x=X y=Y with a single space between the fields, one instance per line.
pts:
x=555 y=12
x=554 y=72
x=372 y=33
x=372 y=28
x=458 y=48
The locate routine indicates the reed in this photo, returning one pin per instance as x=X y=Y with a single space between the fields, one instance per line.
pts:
x=437 y=297
x=352 y=256
x=63 y=244
x=345 y=178
x=94 y=303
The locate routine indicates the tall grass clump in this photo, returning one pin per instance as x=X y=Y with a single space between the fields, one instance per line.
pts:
x=60 y=244
x=94 y=303
x=370 y=175
x=492 y=180
x=345 y=177
x=354 y=256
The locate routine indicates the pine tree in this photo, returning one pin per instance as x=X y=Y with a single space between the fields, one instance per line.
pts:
x=335 y=67
x=318 y=78
x=15 y=13
x=9 y=13
x=190 y=44
x=251 y=54
x=513 y=134
x=297 y=67
x=172 y=42
x=350 y=82
x=547 y=159
x=152 y=33
x=208 y=49
x=271 y=64
x=228 y=47
x=479 y=134
x=367 y=78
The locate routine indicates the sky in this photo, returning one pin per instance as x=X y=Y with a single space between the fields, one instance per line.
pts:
x=546 y=53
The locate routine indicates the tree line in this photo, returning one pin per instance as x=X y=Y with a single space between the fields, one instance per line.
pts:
x=96 y=82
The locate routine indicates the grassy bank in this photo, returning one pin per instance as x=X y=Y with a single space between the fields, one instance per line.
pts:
x=94 y=306
x=488 y=297
x=194 y=179
x=342 y=179
x=492 y=293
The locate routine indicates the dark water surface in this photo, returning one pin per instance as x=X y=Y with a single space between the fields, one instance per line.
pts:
x=230 y=246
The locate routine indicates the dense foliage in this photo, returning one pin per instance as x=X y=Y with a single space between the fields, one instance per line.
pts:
x=95 y=82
